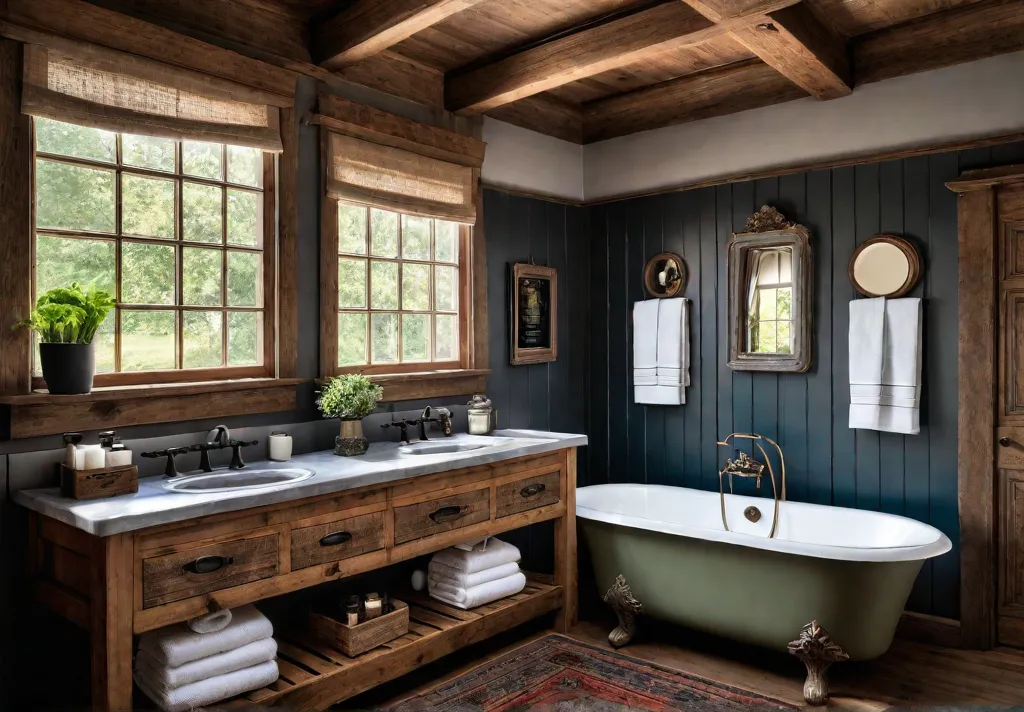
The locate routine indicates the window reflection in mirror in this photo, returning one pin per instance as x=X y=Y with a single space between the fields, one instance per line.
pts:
x=769 y=300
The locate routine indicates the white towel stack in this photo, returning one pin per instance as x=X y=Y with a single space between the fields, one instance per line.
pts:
x=467 y=579
x=885 y=365
x=181 y=669
x=661 y=351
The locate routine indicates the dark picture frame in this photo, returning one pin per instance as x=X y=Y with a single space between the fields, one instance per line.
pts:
x=533 y=314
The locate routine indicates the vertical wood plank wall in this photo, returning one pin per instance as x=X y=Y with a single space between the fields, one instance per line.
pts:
x=807 y=413
x=549 y=396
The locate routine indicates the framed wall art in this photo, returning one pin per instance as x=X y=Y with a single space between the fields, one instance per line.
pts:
x=533 y=318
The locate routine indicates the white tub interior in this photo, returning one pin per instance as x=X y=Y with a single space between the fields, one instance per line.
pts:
x=805 y=529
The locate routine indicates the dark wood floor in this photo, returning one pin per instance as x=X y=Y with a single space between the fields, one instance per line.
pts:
x=910 y=674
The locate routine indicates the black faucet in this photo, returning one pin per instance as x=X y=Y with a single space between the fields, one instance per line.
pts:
x=236 y=453
x=170 y=453
x=403 y=427
x=443 y=418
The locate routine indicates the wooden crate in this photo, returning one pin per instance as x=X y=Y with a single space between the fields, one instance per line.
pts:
x=101 y=482
x=357 y=639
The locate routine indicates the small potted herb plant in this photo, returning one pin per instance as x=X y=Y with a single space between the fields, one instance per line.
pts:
x=349 y=398
x=66 y=320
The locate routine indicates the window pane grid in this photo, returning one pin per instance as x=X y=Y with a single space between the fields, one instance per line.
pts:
x=154 y=309
x=388 y=305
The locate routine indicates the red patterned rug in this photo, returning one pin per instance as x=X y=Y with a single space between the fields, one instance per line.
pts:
x=562 y=675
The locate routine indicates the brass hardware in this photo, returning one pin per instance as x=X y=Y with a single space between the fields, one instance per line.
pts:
x=627 y=608
x=752 y=513
x=817 y=651
x=745 y=466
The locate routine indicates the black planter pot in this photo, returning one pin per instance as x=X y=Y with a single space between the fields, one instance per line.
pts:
x=68 y=368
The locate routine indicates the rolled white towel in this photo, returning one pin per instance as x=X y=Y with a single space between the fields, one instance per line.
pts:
x=176 y=645
x=479 y=595
x=213 y=689
x=497 y=553
x=439 y=572
x=211 y=622
x=161 y=678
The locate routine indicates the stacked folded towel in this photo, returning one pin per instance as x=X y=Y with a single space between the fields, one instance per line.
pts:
x=180 y=668
x=467 y=579
x=661 y=352
x=885 y=365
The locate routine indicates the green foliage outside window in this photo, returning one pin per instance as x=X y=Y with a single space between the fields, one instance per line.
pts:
x=78 y=172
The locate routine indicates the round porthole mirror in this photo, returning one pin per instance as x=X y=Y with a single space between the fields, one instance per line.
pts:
x=665 y=275
x=885 y=266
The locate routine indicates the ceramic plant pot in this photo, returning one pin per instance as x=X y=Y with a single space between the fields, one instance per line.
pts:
x=68 y=368
x=350 y=440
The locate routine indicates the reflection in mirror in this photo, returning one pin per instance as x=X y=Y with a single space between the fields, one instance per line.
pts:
x=770 y=301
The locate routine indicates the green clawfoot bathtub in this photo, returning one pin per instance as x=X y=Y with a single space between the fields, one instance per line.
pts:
x=850 y=571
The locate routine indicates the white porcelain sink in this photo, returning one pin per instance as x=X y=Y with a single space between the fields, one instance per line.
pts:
x=456 y=444
x=231 y=480
x=437 y=448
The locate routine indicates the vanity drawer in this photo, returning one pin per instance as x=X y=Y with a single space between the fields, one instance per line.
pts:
x=529 y=493
x=443 y=514
x=204 y=569
x=337 y=540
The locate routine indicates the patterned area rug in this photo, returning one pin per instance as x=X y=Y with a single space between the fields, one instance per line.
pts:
x=558 y=674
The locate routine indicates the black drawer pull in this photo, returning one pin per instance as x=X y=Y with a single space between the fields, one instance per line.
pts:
x=335 y=538
x=208 y=564
x=532 y=490
x=447 y=514
x=1009 y=442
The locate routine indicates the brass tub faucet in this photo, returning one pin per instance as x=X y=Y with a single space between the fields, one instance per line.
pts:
x=747 y=467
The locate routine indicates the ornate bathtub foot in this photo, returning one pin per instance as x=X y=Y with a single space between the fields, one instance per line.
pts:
x=627 y=608
x=817 y=651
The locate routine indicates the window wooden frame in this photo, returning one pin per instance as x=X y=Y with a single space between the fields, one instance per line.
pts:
x=266 y=249
x=419 y=380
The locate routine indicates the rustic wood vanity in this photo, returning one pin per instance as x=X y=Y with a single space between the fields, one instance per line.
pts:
x=118 y=582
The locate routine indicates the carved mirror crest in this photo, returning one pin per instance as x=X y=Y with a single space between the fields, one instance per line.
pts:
x=770 y=307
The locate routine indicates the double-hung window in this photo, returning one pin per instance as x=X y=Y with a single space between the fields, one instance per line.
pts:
x=398 y=255
x=157 y=185
x=177 y=231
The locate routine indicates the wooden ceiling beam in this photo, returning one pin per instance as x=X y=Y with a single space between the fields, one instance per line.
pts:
x=963 y=34
x=367 y=27
x=792 y=41
x=614 y=44
x=715 y=92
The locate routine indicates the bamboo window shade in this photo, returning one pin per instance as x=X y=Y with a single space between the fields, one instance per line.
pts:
x=111 y=90
x=367 y=173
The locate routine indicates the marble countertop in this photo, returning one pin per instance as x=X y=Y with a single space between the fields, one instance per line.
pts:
x=153 y=504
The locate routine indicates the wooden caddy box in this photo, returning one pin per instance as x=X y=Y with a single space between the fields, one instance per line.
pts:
x=101 y=482
x=355 y=640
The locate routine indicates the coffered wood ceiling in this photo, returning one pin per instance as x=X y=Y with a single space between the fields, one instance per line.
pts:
x=589 y=70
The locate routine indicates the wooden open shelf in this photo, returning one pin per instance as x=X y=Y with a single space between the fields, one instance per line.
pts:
x=314 y=675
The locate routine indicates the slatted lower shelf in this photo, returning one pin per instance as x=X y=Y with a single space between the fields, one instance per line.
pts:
x=314 y=675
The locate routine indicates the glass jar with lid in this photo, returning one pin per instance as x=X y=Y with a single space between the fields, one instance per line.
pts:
x=481 y=416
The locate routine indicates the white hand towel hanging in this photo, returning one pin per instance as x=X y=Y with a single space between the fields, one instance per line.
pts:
x=665 y=383
x=885 y=365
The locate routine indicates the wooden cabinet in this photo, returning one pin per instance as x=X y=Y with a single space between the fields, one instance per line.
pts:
x=337 y=540
x=442 y=514
x=127 y=584
x=195 y=571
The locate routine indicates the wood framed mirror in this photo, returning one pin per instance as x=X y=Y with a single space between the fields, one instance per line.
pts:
x=770 y=286
x=885 y=266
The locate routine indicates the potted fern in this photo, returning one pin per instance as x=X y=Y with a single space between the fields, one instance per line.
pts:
x=349 y=398
x=66 y=319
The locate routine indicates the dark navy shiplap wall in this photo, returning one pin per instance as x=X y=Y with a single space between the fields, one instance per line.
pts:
x=806 y=413
x=549 y=396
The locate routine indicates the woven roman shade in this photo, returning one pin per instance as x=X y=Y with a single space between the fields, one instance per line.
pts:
x=391 y=178
x=105 y=89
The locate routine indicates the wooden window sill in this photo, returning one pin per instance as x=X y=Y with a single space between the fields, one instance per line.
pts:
x=42 y=413
x=432 y=384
